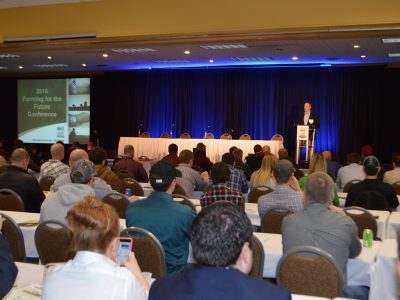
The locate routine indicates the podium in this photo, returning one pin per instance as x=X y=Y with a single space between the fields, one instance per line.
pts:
x=305 y=138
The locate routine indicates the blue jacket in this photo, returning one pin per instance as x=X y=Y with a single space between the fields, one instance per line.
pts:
x=8 y=269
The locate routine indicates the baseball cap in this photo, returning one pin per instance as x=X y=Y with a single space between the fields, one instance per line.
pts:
x=367 y=150
x=371 y=162
x=163 y=172
x=82 y=171
x=283 y=168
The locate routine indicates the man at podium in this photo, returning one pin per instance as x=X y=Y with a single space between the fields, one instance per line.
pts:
x=309 y=118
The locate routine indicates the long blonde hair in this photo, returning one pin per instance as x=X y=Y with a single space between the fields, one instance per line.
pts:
x=264 y=174
x=318 y=163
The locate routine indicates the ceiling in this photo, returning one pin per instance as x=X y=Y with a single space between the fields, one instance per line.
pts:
x=21 y=3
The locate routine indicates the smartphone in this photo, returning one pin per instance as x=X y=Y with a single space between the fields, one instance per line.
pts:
x=125 y=249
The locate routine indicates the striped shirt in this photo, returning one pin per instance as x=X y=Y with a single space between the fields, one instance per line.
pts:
x=54 y=168
x=220 y=192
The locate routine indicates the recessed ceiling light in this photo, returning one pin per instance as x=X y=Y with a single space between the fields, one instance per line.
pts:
x=83 y=65
x=394 y=54
x=363 y=56
x=133 y=50
x=9 y=55
x=356 y=46
x=218 y=47
x=187 y=52
x=295 y=58
x=211 y=60
x=49 y=57
x=390 y=40
x=20 y=67
x=105 y=55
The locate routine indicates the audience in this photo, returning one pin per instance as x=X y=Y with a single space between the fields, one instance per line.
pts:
x=172 y=156
x=20 y=181
x=237 y=181
x=94 y=272
x=263 y=176
x=57 y=204
x=254 y=160
x=353 y=171
x=287 y=194
x=221 y=241
x=133 y=166
x=317 y=225
x=54 y=167
x=283 y=153
x=8 y=269
x=393 y=176
x=219 y=191
x=168 y=220
x=332 y=166
x=99 y=157
x=190 y=179
x=240 y=165
x=200 y=159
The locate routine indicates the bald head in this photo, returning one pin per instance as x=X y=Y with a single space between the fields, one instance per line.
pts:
x=57 y=151
x=76 y=155
x=20 y=158
x=283 y=153
x=266 y=149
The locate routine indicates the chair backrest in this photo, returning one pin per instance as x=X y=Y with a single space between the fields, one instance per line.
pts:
x=257 y=269
x=226 y=136
x=349 y=184
x=272 y=220
x=11 y=201
x=371 y=200
x=363 y=219
x=46 y=182
x=277 y=137
x=245 y=136
x=14 y=236
x=118 y=201
x=308 y=270
x=396 y=187
x=257 y=192
x=148 y=250
x=124 y=173
x=145 y=134
x=209 y=135
x=179 y=190
x=133 y=185
x=165 y=135
x=184 y=200
x=53 y=242
x=185 y=135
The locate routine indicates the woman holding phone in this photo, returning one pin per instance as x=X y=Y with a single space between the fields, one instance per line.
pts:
x=94 y=272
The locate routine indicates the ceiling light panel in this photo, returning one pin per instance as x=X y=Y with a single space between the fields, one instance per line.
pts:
x=9 y=55
x=390 y=40
x=252 y=58
x=171 y=61
x=220 y=47
x=133 y=50
x=51 y=66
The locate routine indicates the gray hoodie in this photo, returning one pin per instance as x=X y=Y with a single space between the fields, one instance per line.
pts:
x=57 y=204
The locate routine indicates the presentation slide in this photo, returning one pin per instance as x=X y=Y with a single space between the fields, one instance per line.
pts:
x=51 y=110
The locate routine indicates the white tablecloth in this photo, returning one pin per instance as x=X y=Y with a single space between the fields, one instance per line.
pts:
x=393 y=225
x=157 y=148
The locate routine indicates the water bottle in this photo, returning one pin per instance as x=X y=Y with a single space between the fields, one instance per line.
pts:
x=128 y=192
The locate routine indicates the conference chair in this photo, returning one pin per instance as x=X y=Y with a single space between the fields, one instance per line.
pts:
x=257 y=269
x=145 y=134
x=53 y=242
x=124 y=173
x=349 y=184
x=209 y=136
x=46 y=182
x=226 y=136
x=118 y=201
x=13 y=234
x=245 y=136
x=184 y=200
x=257 y=192
x=308 y=270
x=185 y=135
x=165 y=135
x=148 y=251
x=277 y=137
x=131 y=183
x=179 y=190
x=272 y=220
x=363 y=220
x=396 y=187
x=10 y=201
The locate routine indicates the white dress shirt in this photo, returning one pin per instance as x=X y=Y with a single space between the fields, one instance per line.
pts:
x=91 y=275
x=347 y=173
x=392 y=176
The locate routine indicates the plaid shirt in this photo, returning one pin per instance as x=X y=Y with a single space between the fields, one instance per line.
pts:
x=238 y=181
x=220 y=192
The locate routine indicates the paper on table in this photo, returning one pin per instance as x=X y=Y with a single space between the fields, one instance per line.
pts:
x=27 y=292
x=29 y=223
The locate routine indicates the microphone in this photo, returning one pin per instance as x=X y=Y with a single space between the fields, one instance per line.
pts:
x=140 y=126
x=170 y=130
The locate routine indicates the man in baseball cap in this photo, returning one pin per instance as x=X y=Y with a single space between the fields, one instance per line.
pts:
x=168 y=220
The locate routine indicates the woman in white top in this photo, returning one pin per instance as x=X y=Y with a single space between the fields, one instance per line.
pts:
x=264 y=176
x=94 y=272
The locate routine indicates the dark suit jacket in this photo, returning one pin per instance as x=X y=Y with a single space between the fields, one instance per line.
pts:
x=8 y=269
x=254 y=161
x=209 y=283
x=312 y=117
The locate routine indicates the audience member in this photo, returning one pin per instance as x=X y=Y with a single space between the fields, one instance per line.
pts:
x=94 y=272
x=219 y=191
x=20 y=181
x=263 y=176
x=221 y=240
x=366 y=151
x=34 y=154
x=57 y=204
x=372 y=193
x=394 y=175
x=3 y=151
x=54 y=167
x=254 y=160
x=8 y=269
x=99 y=157
x=353 y=171
x=190 y=178
x=90 y=146
x=317 y=225
x=239 y=164
x=100 y=187
x=287 y=194
x=32 y=166
x=200 y=159
x=168 y=220
x=237 y=181
x=332 y=166
x=172 y=156
x=283 y=153
x=133 y=166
